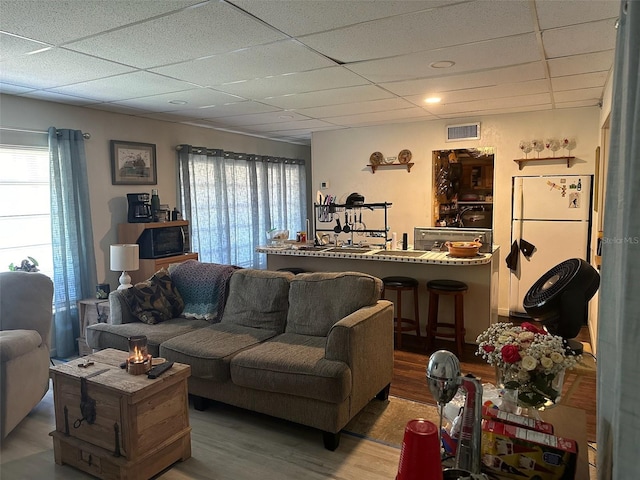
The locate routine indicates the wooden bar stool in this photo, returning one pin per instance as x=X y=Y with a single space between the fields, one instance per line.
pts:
x=446 y=287
x=400 y=284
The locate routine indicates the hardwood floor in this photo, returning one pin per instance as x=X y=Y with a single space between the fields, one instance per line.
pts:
x=410 y=368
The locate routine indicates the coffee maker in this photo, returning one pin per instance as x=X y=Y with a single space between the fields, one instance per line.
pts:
x=139 y=208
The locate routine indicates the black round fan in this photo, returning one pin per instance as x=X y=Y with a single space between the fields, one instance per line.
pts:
x=559 y=299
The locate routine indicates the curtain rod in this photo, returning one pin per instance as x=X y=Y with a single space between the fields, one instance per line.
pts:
x=86 y=136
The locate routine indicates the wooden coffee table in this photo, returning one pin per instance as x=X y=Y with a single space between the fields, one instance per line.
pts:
x=137 y=426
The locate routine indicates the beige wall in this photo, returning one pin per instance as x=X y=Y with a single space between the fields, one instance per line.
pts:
x=340 y=158
x=108 y=202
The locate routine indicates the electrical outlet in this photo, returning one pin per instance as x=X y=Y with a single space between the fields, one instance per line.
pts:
x=324 y=185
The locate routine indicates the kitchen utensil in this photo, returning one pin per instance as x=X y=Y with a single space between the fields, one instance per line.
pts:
x=346 y=228
x=338 y=227
x=464 y=249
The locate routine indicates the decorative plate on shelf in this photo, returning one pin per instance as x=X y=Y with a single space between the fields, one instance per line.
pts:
x=376 y=158
x=404 y=156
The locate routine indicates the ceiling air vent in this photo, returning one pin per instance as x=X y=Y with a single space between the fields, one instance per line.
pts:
x=469 y=131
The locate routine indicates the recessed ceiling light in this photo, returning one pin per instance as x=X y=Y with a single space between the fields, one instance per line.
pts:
x=442 y=64
x=178 y=102
x=432 y=100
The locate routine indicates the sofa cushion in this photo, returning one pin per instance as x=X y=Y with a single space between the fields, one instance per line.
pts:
x=318 y=300
x=258 y=298
x=295 y=365
x=15 y=343
x=105 y=335
x=209 y=350
x=154 y=300
x=203 y=287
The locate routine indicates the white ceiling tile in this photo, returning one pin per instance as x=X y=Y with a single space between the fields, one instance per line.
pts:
x=486 y=78
x=407 y=113
x=42 y=70
x=498 y=103
x=209 y=29
x=297 y=17
x=278 y=116
x=577 y=104
x=352 y=108
x=568 y=12
x=329 y=97
x=586 y=80
x=255 y=62
x=196 y=98
x=496 y=53
x=296 y=125
x=499 y=111
x=115 y=108
x=594 y=94
x=123 y=87
x=585 y=63
x=321 y=79
x=60 y=21
x=427 y=30
x=58 y=97
x=12 y=46
x=14 y=89
x=584 y=38
x=228 y=110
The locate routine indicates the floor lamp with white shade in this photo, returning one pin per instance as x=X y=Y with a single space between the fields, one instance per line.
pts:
x=125 y=258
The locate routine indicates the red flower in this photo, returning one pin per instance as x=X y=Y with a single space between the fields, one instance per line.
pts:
x=510 y=354
x=530 y=327
x=488 y=348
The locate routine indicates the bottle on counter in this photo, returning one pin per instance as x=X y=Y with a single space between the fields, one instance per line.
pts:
x=155 y=204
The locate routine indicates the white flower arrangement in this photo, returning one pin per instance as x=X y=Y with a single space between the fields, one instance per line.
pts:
x=527 y=358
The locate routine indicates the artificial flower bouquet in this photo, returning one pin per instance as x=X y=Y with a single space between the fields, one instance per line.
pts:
x=529 y=359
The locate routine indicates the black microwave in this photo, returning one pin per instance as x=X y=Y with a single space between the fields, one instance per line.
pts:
x=163 y=242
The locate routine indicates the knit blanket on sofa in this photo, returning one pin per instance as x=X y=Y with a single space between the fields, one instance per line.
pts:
x=203 y=287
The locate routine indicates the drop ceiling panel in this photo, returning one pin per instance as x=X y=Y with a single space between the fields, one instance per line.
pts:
x=588 y=62
x=594 y=94
x=414 y=113
x=577 y=104
x=43 y=70
x=210 y=29
x=123 y=87
x=199 y=97
x=518 y=73
x=427 y=30
x=228 y=110
x=352 y=108
x=58 y=97
x=572 y=82
x=498 y=103
x=255 y=62
x=115 y=108
x=329 y=97
x=577 y=39
x=57 y=22
x=13 y=89
x=298 y=18
x=296 y=125
x=11 y=46
x=558 y=14
x=321 y=79
x=496 y=53
x=501 y=111
x=278 y=116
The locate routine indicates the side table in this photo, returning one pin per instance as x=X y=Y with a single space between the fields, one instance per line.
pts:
x=90 y=312
x=114 y=425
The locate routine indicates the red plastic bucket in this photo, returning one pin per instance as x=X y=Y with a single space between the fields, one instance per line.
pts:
x=420 y=454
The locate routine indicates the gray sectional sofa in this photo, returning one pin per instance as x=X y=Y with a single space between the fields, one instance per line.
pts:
x=312 y=348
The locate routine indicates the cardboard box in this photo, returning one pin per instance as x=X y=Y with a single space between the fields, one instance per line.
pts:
x=514 y=452
x=518 y=420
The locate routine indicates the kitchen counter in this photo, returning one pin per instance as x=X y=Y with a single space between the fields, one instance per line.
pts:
x=480 y=273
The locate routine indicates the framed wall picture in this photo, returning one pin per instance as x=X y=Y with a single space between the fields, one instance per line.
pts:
x=133 y=163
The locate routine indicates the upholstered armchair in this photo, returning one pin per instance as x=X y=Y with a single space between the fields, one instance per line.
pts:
x=25 y=337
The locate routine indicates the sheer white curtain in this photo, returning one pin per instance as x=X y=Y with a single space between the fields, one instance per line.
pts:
x=232 y=199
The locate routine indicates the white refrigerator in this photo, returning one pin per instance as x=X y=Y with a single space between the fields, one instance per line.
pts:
x=553 y=214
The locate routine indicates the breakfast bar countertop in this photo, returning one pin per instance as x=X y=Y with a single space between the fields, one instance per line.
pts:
x=357 y=253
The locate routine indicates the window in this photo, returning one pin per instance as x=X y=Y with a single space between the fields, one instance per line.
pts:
x=25 y=207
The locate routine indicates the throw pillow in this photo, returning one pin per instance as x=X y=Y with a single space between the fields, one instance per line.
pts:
x=154 y=300
x=203 y=287
x=258 y=299
x=318 y=300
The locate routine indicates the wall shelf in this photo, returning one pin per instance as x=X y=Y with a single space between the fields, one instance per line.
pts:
x=522 y=161
x=386 y=165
